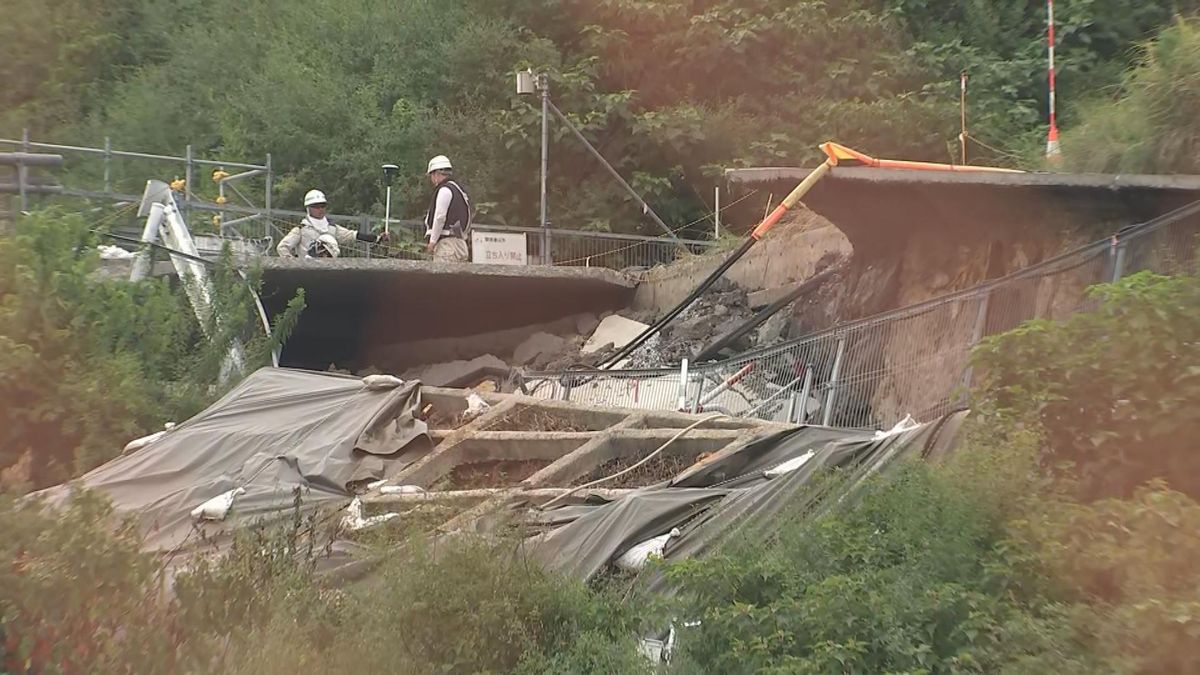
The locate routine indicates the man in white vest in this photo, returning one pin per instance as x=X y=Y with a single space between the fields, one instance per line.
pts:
x=448 y=222
x=316 y=237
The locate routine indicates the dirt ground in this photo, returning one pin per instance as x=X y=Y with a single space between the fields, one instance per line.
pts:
x=492 y=474
x=656 y=470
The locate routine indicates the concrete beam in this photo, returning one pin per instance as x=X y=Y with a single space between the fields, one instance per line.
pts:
x=30 y=159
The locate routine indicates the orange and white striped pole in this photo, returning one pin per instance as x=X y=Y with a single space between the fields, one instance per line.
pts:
x=1053 y=152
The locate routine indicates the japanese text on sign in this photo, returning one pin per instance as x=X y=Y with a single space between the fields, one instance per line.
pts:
x=498 y=248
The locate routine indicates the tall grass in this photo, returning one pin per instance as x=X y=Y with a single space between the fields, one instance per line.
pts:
x=1153 y=124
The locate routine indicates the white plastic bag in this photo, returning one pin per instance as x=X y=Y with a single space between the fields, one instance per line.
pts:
x=354 y=520
x=906 y=424
x=476 y=406
x=218 y=507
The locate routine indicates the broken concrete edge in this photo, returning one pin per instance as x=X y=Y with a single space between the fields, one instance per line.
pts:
x=1047 y=179
x=392 y=265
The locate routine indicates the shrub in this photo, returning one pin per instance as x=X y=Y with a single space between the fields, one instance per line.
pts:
x=1115 y=390
x=88 y=364
x=77 y=595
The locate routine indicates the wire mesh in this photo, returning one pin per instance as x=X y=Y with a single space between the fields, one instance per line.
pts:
x=914 y=361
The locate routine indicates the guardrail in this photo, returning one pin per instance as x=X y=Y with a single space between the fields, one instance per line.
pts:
x=873 y=372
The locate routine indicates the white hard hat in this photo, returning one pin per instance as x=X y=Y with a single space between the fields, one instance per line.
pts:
x=314 y=197
x=330 y=244
x=439 y=162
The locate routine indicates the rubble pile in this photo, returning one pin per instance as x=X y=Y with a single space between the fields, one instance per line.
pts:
x=722 y=307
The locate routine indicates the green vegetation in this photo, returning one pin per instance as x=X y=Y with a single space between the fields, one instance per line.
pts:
x=79 y=599
x=1153 y=126
x=90 y=364
x=669 y=90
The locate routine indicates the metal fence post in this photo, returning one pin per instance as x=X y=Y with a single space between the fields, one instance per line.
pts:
x=695 y=407
x=364 y=225
x=827 y=416
x=1118 y=254
x=107 y=164
x=23 y=171
x=187 y=186
x=804 y=391
x=977 y=335
x=683 y=382
x=267 y=197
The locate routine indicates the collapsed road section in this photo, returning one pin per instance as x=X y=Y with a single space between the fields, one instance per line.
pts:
x=360 y=308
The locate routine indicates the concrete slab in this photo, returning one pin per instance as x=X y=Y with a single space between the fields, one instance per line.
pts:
x=535 y=346
x=356 y=305
x=760 y=299
x=615 y=330
x=880 y=210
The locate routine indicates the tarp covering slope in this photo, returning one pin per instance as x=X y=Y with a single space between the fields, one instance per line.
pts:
x=736 y=493
x=276 y=432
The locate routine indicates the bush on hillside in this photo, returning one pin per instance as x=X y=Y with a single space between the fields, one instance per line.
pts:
x=79 y=596
x=1153 y=126
x=975 y=566
x=1115 y=390
x=89 y=364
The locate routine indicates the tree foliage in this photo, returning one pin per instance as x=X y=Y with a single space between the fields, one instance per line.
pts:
x=89 y=364
x=669 y=91
x=1113 y=389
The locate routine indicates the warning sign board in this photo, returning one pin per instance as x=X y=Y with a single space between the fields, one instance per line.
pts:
x=498 y=248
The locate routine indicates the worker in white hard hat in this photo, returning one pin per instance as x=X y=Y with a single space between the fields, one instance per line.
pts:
x=316 y=237
x=448 y=221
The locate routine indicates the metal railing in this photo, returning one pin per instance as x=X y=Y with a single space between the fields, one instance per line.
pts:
x=873 y=372
x=600 y=249
x=107 y=174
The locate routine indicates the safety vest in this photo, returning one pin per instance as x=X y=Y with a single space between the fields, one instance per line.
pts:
x=458 y=215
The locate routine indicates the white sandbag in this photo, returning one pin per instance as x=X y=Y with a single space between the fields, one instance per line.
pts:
x=401 y=490
x=635 y=558
x=218 y=507
x=790 y=465
x=108 y=252
x=139 y=443
x=376 y=382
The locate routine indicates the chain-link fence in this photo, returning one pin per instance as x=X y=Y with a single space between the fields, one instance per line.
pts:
x=873 y=372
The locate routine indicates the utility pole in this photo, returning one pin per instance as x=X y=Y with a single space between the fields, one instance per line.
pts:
x=389 y=175
x=962 y=114
x=1053 y=152
x=543 y=84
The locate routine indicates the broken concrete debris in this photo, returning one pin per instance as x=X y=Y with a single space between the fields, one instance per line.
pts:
x=723 y=306
x=614 y=331
x=537 y=345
